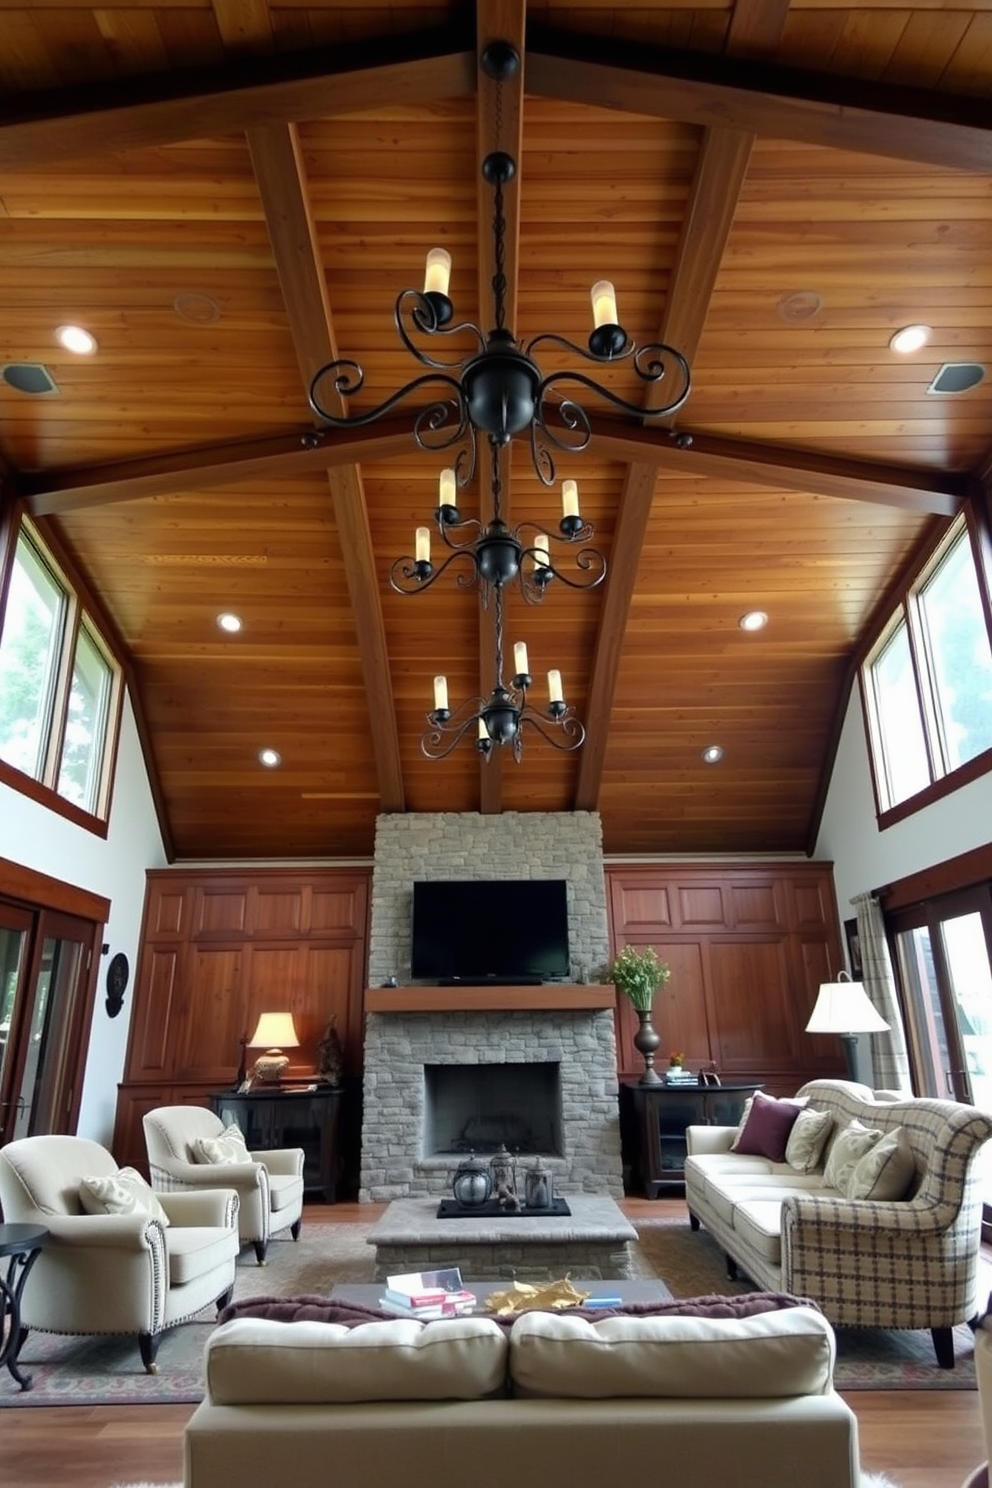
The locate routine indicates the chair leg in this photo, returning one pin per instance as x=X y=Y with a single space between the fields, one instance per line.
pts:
x=693 y=1222
x=225 y=1300
x=732 y=1272
x=943 y=1346
x=148 y=1345
x=261 y=1246
x=295 y=1229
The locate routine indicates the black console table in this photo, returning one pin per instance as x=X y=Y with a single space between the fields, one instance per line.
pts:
x=653 y=1119
x=21 y=1244
x=291 y=1118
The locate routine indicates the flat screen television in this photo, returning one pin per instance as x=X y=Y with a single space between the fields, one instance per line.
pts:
x=513 y=931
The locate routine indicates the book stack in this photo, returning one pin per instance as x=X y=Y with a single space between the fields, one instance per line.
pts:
x=679 y=1076
x=426 y=1295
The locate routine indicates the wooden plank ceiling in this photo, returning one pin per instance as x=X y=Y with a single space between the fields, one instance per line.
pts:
x=228 y=194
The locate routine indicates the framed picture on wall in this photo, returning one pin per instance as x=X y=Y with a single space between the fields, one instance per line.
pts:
x=854 y=950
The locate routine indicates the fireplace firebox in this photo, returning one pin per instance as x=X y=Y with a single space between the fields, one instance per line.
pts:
x=479 y=1107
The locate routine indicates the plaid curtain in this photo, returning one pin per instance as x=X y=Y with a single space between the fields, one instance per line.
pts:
x=889 y=1053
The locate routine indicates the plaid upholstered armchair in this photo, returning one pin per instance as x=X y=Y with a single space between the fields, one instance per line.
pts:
x=190 y=1149
x=910 y=1262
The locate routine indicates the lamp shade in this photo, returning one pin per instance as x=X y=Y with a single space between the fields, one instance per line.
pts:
x=275 y=1031
x=844 y=1007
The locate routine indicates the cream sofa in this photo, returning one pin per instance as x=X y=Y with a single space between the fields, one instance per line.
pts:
x=744 y=1402
x=908 y=1263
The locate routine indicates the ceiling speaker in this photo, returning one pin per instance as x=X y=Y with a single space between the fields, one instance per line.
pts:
x=957 y=377
x=29 y=377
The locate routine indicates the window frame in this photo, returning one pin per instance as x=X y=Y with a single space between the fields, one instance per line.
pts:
x=81 y=615
x=906 y=612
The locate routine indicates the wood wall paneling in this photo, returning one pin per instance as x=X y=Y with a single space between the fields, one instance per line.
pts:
x=748 y=947
x=219 y=949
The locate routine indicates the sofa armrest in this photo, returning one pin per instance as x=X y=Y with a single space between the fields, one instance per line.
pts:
x=287 y=1162
x=187 y=1175
x=134 y=1232
x=210 y=1206
x=709 y=1139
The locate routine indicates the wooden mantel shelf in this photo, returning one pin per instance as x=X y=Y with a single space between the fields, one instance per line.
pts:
x=554 y=996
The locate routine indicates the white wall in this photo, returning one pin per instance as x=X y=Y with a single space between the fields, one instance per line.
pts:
x=865 y=858
x=114 y=866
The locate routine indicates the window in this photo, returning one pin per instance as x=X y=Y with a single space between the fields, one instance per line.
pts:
x=928 y=681
x=59 y=687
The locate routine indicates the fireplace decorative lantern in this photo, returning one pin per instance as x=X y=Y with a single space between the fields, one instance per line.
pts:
x=539 y=1187
x=472 y=1184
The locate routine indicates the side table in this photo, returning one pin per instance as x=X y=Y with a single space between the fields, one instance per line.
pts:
x=22 y=1244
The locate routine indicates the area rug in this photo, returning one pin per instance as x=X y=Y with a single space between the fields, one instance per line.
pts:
x=97 y=1371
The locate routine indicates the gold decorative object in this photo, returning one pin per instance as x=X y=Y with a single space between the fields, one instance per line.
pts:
x=550 y=1296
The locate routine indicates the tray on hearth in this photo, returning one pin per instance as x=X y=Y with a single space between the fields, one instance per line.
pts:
x=492 y=1208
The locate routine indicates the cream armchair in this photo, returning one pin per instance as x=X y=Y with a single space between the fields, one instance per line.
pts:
x=269 y=1184
x=121 y=1273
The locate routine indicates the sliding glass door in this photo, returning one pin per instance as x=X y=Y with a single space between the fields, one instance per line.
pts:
x=45 y=1011
x=943 y=953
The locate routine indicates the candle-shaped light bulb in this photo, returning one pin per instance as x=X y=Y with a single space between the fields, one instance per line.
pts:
x=604 y=304
x=555 y=694
x=570 y=498
x=483 y=731
x=423 y=550
x=446 y=489
x=441 y=693
x=437 y=274
x=520 y=666
x=542 y=550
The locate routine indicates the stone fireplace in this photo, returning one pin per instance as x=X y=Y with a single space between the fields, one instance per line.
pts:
x=444 y=1066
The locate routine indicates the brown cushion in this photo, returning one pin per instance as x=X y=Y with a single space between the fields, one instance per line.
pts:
x=766 y=1131
x=315 y=1309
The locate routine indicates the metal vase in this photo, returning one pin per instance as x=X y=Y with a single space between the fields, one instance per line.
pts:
x=646 y=1042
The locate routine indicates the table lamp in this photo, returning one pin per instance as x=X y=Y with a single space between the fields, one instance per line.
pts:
x=275 y=1032
x=843 y=1008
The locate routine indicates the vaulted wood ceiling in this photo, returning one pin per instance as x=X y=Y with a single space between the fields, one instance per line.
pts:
x=227 y=193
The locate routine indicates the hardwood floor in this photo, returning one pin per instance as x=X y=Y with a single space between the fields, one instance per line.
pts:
x=921 y=1439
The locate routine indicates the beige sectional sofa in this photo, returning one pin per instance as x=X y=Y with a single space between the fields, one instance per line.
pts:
x=910 y=1262
x=556 y=1400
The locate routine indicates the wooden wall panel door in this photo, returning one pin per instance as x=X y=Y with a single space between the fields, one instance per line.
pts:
x=206 y=1045
x=157 y=1009
x=679 y=1014
x=219 y=910
x=755 y=1022
x=335 y=984
x=639 y=906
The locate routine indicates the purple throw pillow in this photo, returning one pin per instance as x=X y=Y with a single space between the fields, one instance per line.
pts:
x=766 y=1131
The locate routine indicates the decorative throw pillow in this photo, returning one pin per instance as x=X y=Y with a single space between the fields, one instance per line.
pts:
x=886 y=1171
x=125 y=1192
x=846 y=1151
x=766 y=1131
x=807 y=1140
x=229 y=1147
x=742 y=1123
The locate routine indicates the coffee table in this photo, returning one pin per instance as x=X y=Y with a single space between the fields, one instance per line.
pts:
x=594 y=1241
x=367 y=1294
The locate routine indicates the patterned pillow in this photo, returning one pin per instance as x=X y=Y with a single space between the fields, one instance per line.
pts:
x=886 y=1171
x=229 y=1147
x=125 y=1192
x=846 y=1151
x=807 y=1140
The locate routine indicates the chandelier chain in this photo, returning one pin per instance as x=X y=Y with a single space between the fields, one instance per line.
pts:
x=499 y=258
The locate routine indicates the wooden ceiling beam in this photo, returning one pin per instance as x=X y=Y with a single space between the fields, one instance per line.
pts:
x=53 y=492
x=937 y=492
x=771 y=101
x=277 y=160
x=110 y=117
x=304 y=452
x=716 y=188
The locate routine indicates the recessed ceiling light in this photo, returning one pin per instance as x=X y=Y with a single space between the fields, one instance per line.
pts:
x=804 y=304
x=229 y=622
x=753 y=620
x=910 y=338
x=712 y=754
x=270 y=758
x=76 y=338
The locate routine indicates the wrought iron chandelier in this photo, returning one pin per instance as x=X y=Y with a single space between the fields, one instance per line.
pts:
x=501 y=717
x=499 y=390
